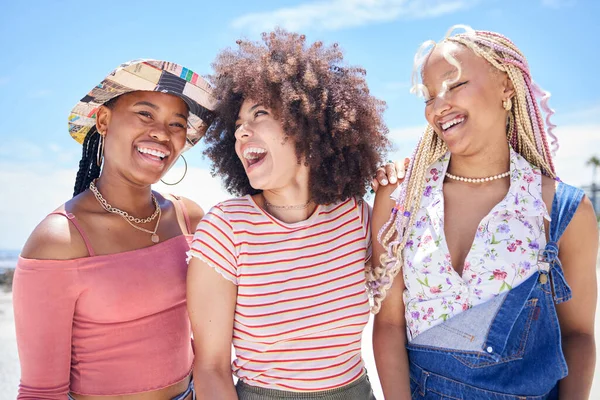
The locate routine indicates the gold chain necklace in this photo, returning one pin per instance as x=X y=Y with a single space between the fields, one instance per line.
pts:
x=130 y=219
x=294 y=207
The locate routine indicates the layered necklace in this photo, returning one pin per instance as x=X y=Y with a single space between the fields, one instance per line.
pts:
x=478 y=180
x=131 y=220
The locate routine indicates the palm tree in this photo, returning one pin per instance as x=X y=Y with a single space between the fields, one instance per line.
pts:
x=594 y=162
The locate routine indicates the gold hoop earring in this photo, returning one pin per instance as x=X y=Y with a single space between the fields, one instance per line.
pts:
x=184 y=173
x=100 y=153
x=507 y=104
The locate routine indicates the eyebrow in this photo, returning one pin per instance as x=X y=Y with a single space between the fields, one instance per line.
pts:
x=155 y=107
x=250 y=110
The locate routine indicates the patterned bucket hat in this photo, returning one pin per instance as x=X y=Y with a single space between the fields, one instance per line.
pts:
x=148 y=75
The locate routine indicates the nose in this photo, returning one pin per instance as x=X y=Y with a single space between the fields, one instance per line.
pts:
x=243 y=132
x=440 y=105
x=160 y=132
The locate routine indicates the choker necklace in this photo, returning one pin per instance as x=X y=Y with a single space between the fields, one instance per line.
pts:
x=130 y=219
x=294 y=207
x=478 y=180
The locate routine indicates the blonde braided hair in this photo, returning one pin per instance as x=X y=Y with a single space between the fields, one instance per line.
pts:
x=526 y=134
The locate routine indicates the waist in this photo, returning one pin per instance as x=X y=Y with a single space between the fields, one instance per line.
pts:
x=183 y=390
x=133 y=357
x=301 y=374
x=358 y=388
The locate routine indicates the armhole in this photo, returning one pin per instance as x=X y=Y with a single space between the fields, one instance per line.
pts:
x=181 y=210
x=73 y=220
x=564 y=205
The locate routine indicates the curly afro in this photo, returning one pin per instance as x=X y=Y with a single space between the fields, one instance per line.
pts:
x=322 y=105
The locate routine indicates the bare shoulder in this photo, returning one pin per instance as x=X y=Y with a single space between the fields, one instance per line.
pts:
x=583 y=228
x=548 y=190
x=55 y=238
x=195 y=212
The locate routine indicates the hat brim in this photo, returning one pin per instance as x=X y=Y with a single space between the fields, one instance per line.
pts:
x=148 y=75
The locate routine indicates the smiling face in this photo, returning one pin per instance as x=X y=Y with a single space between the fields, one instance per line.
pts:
x=145 y=134
x=269 y=158
x=465 y=108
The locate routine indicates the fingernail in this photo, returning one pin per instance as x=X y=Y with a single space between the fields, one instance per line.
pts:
x=384 y=182
x=401 y=174
x=392 y=179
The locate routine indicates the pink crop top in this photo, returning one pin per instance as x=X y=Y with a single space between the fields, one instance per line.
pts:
x=103 y=325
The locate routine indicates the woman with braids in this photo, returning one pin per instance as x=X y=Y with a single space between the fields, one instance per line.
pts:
x=99 y=289
x=279 y=272
x=470 y=274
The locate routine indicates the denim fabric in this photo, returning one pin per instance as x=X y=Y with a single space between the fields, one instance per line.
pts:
x=508 y=348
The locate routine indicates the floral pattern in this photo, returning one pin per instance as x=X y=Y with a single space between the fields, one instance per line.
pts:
x=503 y=254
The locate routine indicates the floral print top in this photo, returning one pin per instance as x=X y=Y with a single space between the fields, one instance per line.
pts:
x=503 y=254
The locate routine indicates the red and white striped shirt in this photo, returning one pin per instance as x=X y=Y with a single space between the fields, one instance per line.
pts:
x=301 y=303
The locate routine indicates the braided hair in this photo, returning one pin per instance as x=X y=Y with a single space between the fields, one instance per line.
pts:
x=88 y=165
x=526 y=133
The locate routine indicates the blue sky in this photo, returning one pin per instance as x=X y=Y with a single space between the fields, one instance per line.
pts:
x=55 y=52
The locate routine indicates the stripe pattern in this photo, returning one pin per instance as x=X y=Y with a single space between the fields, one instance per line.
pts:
x=301 y=304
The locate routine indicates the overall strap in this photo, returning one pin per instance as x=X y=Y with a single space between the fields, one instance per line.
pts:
x=180 y=205
x=71 y=218
x=566 y=201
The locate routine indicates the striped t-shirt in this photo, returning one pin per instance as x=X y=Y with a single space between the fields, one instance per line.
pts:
x=301 y=302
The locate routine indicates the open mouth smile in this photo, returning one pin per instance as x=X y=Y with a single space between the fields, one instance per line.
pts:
x=254 y=156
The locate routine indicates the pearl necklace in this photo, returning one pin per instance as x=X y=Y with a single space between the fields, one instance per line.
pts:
x=478 y=180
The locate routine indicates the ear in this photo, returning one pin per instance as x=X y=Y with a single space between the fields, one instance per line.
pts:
x=508 y=89
x=103 y=119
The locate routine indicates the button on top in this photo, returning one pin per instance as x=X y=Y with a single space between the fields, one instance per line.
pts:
x=490 y=349
x=543 y=279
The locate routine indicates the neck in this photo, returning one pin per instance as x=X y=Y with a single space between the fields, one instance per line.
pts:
x=133 y=199
x=492 y=160
x=287 y=204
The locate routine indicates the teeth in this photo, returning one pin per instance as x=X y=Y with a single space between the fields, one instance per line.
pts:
x=252 y=153
x=152 y=152
x=453 y=122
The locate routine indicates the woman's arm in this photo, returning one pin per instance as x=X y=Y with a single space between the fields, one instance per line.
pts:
x=211 y=303
x=578 y=252
x=45 y=291
x=389 y=329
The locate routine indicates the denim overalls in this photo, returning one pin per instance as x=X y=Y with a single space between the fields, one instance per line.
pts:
x=509 y=347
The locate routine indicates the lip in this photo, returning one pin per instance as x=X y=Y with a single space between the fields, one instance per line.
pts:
x=150 y=159
x=243 y=148
x=441 y=121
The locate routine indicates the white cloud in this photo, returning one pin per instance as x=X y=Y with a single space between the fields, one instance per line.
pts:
x=198 y=185
x=577 y=144
x=20 y=149
x=31 y=191
x=586 y=115
x=341 y=14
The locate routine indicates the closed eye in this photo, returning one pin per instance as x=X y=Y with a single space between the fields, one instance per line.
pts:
x=459 y=85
